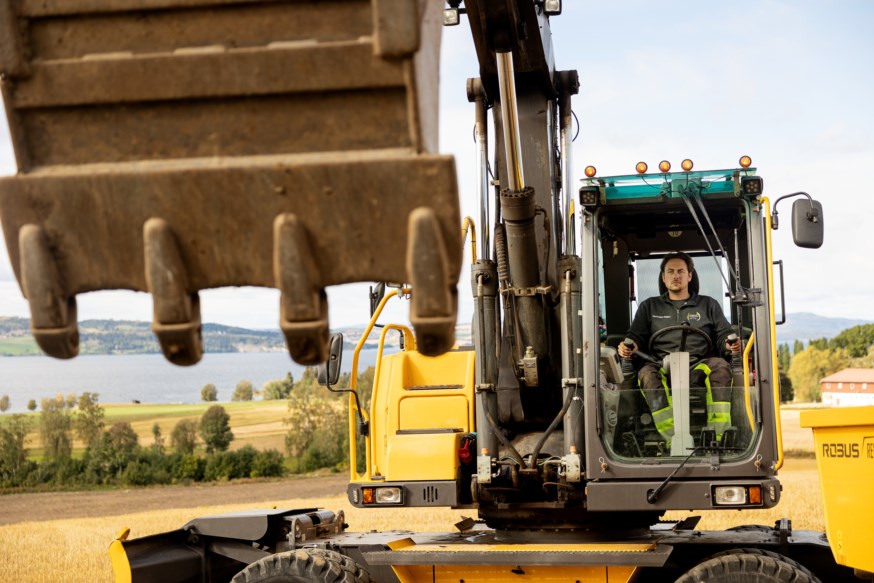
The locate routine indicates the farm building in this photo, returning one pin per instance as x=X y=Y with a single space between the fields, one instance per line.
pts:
x=849 y=387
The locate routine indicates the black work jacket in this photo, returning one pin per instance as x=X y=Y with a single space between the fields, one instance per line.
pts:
x=702 y=312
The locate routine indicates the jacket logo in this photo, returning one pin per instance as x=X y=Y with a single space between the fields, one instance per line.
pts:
x=696 y=316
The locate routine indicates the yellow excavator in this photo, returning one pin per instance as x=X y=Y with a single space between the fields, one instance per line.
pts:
x=170 y=146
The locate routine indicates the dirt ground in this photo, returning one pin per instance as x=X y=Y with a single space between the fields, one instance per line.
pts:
x=57 y=505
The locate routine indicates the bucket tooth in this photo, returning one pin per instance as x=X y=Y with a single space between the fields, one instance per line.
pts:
x=435 y=299
x=303 y=305
x=176 y=310
x=53 y=322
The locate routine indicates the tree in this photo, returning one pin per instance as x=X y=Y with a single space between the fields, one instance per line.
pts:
x=117 y=449
x=783 y=356
x=157 y=439
x=855 y=340
x=13 y=455
x=123 y=439
x=54 y=429
x=318 y=431
x=88 y=420
x=798 y=347
x=243 y=392
x=209 y=393
x=787 y=391
x=810 y=366
x=184 y=436
x=31 y=405
x=278 y=389
x=215 y=429
x=4 y=403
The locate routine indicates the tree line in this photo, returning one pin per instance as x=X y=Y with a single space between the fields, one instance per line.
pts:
x=807 y=366
x=317 y=437
x=114 y=456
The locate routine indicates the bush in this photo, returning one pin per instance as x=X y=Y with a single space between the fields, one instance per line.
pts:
x=138 y=474
x=230 y=465
x=268 y=464
x=186 y=467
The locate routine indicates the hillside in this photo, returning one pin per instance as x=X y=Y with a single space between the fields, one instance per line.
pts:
x=132 y=337
x=805 y=326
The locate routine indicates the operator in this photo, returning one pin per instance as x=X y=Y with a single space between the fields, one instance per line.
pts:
x=679 y=306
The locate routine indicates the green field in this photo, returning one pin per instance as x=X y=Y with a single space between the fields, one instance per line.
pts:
x=24 y=346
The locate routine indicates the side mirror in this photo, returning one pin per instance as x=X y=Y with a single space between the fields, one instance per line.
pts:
x=329 y=372
x=807 y=223
x=376 y=296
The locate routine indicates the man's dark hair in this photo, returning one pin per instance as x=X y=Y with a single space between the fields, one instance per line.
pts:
x=678 y=255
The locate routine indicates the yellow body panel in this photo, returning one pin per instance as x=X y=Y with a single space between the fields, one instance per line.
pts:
x=118 y=558
x=433 y=397
x=501 y=573
x=422 y=457
x=844 y=441
x=504 y=573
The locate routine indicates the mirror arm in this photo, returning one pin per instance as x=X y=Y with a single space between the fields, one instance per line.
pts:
x=812 y=214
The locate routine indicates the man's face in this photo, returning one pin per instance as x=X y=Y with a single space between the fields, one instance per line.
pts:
x=677 y=276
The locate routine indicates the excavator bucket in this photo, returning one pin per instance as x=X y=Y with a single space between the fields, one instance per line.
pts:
x=171 y=146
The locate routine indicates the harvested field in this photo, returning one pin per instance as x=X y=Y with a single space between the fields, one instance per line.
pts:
x=73 y=546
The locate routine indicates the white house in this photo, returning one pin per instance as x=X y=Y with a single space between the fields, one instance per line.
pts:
x=848 y=388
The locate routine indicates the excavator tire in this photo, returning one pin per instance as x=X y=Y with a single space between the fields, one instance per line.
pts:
x=745 y=568
x=303 y=566
x=773 y=555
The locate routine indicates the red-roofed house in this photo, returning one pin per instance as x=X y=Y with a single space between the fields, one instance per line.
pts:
x=849 y=388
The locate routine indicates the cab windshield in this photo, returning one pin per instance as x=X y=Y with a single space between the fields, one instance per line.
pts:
x=686 y=391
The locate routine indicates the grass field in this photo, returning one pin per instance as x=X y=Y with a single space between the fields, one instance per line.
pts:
x=75 y=550
x=25 y=346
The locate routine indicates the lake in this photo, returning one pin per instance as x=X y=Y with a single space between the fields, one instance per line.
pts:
x=148 y=378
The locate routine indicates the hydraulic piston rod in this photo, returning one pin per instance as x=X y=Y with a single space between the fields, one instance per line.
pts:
x=510 y=120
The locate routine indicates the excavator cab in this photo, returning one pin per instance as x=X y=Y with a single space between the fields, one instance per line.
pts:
x=724 y=432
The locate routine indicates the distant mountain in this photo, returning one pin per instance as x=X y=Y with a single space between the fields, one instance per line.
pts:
x=132 y=337
x=805 y=326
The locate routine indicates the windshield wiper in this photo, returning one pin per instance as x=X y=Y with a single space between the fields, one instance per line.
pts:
x=653 y=496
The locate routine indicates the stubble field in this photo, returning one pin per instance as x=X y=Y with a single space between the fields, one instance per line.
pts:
x=36 y=548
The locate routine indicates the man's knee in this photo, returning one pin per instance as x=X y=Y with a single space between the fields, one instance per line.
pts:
x=720 y=372
x=650 y=378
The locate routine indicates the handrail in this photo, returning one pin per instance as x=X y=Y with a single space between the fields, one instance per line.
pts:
x=747 y=350
x=775 y=373
x=469 y=223
x=409 y=344
x=353 y=385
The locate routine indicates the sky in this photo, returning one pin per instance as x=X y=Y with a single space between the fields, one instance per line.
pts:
x=788 y=83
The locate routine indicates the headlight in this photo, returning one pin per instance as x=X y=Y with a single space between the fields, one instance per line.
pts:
x=388 y=496
x=729 y=495
x=737 y=495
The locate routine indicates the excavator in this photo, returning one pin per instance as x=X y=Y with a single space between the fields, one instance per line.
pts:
x=171 y=146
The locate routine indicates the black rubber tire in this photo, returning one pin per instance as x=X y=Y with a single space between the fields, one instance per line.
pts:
x=744 y=568
x=773 y=555
x=304 y=566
